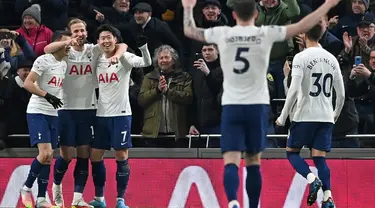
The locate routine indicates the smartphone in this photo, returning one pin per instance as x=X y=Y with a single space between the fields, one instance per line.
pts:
x=198 y=56
x=357 y=60
x=6 y=35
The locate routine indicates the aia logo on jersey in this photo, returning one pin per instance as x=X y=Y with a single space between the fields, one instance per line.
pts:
x=80 y=70
x=56 y=81
x=108 y=78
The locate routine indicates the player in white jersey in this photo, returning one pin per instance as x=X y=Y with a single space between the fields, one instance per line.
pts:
x=245 y=51
x=113 y=122
x=45 y=82
x=315 y=71
x=77 y=116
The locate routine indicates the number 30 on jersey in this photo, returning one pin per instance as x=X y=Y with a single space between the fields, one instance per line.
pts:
x=240 y=58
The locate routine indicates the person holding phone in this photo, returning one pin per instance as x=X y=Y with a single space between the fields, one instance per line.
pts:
x=13 y=50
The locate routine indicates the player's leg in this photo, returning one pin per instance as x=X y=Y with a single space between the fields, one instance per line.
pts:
x=121 y=142
x=100 y=143
x=232 y=144
x=84 y=138
x=256 y=127
x=39 y=135
x=301 y=134
x=67 y=136
x=322 y=145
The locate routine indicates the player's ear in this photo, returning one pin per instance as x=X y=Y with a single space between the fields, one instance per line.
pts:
x=234 y=15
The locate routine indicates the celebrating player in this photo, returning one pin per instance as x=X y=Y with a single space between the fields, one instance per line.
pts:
x=77 y=115
x=245 y=100
x=314 y=73
x=113 y=122
x=45 y=83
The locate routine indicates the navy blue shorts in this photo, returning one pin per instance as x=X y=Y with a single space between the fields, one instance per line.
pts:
x=316 y=135
x=76 y=127
x=43 y=129
x=112 y=132
x=244 y=128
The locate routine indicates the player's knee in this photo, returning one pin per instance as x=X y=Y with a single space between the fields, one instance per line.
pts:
x=122 y=155
x=252 y=159
x=318 y=153
x=232 y=157
x=67 y=153
x=83 y=151
x=45 y=156
x=96 y=155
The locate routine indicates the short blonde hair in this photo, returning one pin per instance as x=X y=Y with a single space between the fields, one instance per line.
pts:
x=15 y=48
x=74 y=21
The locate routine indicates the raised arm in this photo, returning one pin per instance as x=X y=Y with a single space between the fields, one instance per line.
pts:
x=190 y=29
x=310 y=20
x=55 y=46
x=136 y=61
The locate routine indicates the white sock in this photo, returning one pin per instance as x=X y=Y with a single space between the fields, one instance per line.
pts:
x=25 y=188
x=327 y=194
x=56 y=187
x=40 y=199
x=77 y=196
x=232 y=203
x=311 y=178
x=101 y=199
x=117 y=199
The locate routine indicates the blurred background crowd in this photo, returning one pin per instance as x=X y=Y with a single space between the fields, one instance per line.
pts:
x=26 y=27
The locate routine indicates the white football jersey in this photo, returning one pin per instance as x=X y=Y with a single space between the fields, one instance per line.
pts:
x=244 y=58
x=80 y=80
x=114 y=83
x=51 y=79
x=320 y=71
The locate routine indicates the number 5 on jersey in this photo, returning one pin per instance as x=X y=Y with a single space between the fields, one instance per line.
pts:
x=240 y=58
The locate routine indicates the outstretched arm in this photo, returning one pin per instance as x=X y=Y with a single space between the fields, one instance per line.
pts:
x=190 y=29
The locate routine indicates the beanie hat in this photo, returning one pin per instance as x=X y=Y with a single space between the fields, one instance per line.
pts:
x=366 y=2
x=34 y=12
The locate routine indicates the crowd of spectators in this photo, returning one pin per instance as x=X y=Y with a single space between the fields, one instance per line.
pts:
x=192 y=69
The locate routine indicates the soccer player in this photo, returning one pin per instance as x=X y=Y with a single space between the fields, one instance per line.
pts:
x=314 y=72
x=113 y=122
x=77 y=116
x=45 y=83
x=246 y=50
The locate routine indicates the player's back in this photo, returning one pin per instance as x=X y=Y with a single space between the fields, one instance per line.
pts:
x=318 y=69
x=244 y=55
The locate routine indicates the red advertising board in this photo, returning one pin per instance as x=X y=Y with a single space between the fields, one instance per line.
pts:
x=179 y=183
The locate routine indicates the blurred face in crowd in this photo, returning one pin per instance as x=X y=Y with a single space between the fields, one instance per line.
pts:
x=107 y=41
x=122 y=5
x=78 y=30
x=165 y=61
x=29 y=22
x=23 y=72
x=141 y=17
x=5 y=43
x=211 y=12
x=366 y=31
x=372 y=60
x=270 y=3
x=209 y=53
x=358 y=7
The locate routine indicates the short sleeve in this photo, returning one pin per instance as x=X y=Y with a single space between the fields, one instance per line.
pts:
x=214 y=34
x=298 y=66
x=276 y=33
x=39 y=65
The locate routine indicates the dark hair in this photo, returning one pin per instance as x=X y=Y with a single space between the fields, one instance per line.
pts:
x=245 y=9
x=315 y=33
x=109 y=28
x=59 y=34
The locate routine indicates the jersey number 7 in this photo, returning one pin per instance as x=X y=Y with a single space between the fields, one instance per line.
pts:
x=322 y=87
x=240 y=58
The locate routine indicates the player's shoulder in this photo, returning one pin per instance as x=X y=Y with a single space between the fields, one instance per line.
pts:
x=267 y=29
x=44 y=59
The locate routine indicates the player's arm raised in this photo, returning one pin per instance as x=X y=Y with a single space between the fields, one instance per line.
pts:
x=136 y=61
x=310 y=20
x=55 y=46
x=190 y=29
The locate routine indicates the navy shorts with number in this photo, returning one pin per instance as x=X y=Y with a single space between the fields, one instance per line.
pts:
x=76 y=127
x=112 y=132
x=244 y=128
x=316 y=135
x=43 y=129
